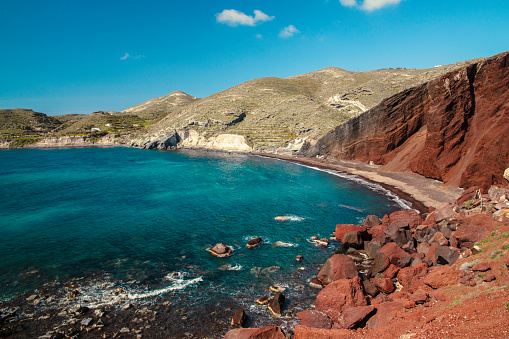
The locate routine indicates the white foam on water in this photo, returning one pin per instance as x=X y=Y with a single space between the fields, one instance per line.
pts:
x=235 y=268
x=178 y=284
x=351 y=208
x=285 y=244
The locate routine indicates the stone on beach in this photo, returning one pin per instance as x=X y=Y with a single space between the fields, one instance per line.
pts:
x=316 y=319
x=277 y=304
x=267 y=332
x=239 y=318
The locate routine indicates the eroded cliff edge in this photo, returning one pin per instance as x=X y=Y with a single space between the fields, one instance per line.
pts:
x=454 y=128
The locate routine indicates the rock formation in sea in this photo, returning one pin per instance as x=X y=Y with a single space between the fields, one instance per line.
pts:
x=453 y=128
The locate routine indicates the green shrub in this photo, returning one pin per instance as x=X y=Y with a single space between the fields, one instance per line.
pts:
x=505 y=235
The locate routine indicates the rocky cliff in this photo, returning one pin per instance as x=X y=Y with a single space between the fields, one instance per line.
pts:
x=453 y=128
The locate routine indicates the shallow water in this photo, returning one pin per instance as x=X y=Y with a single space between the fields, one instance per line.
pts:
x=143 y=220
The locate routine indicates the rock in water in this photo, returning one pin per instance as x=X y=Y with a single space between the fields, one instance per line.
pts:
x=263 y=300
x=254 y=242
x=299 y=258
x=221 y=250
x=239 y=319
x=281 y=218
x=276 y=289
x=277 y=304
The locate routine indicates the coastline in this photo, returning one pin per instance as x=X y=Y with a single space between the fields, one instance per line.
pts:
x=421 y=192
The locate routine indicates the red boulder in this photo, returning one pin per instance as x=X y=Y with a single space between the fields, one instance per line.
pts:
x=339 y=266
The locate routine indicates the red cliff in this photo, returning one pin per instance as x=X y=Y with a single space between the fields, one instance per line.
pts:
x=454 y=128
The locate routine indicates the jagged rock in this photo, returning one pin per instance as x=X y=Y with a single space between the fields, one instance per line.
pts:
x=419 y=296
x=338 y=295
x=381 y=263
x=239 y=318
x=438 y=239
x=481 y=267
x=441 y=276
x=339 y=266
x=384 y=285
x=352 y=317
x=316 y=319
x=384 y=313
x=268 y=332
x=221 y=250
x=371 y=221
x=423 y=233
x=394 y=253
x=444 y=212
x=355 y=234
x=391 y=271
x=369 y=288
x=372 y=248
x=399 y=232
x=445 y=255
x=254 y=242
x=489 y=277
x=277 y=304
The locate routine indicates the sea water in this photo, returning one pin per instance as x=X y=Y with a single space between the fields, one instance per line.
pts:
x=142 y=221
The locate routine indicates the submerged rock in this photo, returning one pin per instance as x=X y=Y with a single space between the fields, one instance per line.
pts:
x=221 y=250
x=254 y=242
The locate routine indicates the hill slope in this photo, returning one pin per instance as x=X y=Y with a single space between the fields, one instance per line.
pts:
x=271 y=112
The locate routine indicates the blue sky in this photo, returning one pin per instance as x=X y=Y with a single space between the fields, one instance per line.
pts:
x=71 y=56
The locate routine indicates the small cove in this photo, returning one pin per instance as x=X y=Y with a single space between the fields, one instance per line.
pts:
x=102 y=219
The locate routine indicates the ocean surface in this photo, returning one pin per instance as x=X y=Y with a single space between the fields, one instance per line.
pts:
x=140 y=222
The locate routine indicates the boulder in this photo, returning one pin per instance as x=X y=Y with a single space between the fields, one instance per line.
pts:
x=475 y=228
x=384 y=313
x=356 y=234
x=353 y=317
x=277 y=304
x=384 y=285
x=424 y=233
x=369 y=288
x=444 y=212
x=409 y=276
x=353 y=239
x=399 y=232
x=441 y=276
x=489 y=277
x=419 y=297
x=239 y=318
x=304 y=332
x=254 y=242
x=394 y=253
x=391 y=271
x=438 y=239
x=221 y=250
x=339 y=266
x=299 y=258
x=445 y=255
x=338 y=295
x=372 y=247
x=267 y=332
x=410 y=216
x=380 y=264
x=482 y=267
x=506 y=174
x=316 y=319
x=371 y=221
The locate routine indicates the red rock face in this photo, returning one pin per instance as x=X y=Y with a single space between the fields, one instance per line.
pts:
x=453 y=128
x=339 y=266
x=338 y=295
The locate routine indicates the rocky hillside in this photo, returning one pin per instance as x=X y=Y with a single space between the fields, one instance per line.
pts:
x=273 y=112
x=453 y=128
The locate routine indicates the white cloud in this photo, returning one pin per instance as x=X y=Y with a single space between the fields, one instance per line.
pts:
x=288 y=32
x=233 y=18
x=259 y=36
x=125 y=56
x=369 y=5
x=348 y=3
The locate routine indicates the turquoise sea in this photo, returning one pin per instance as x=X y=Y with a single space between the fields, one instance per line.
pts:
x=139 y=220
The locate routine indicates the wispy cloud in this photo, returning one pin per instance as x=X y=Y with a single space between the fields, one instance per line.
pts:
x=127 y=56
x=233 y=18
x=288 y=32
x=259 y=36
x=369 y=5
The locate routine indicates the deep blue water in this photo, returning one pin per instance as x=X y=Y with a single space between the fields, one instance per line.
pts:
x=133 y=217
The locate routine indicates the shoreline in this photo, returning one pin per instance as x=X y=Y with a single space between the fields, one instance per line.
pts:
x=421 y=192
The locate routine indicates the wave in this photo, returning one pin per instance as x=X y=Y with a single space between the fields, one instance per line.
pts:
x=284 y=244
x=178 y=284
x=351 y=208
x=289 y=218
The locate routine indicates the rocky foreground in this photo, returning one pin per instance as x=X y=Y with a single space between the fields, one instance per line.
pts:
x=442 y=274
